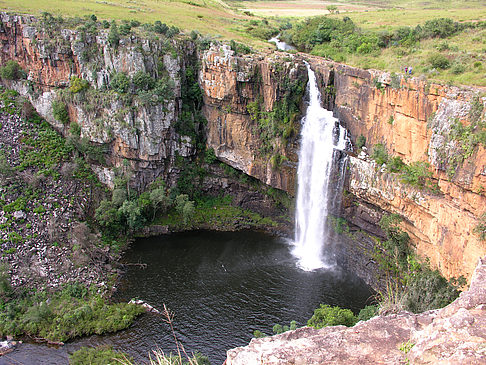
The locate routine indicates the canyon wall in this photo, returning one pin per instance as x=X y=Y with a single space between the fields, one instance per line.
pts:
x=231 y=85
x=249 y=103
x=414 y=119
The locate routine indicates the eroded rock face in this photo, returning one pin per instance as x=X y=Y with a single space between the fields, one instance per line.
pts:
x=413 y=119
x=439 y=226
x=451 y=335
x=135 y=130
x=230 y=83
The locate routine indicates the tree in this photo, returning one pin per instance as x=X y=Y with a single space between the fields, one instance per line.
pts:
x=133 y=214
x=107 y=214
x=184 y=207
x=114 y=36
x=159 y=200
x=332 y=8
x=188 y=211
x=118 y=197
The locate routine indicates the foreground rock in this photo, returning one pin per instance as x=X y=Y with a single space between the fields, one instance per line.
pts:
x=454 y=335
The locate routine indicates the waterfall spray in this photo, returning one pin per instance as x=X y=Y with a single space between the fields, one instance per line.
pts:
x=321 y=134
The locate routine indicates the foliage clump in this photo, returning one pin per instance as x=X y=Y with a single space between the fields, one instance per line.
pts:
x=326 y=315
x=73 y=311
x=412 y=285
x=60 y=112
x=100 y=355
x=12 y=71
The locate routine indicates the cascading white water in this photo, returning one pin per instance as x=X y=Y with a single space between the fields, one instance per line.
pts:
x=320 y=135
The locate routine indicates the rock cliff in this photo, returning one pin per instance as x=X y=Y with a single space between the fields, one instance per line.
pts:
x=233 y=85
x=139 y=130
x=415 y=120
x=451 y=335
x=251 y=104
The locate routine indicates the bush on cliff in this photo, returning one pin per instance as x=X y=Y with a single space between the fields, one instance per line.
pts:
x=326 y=315
x=12 y=71
x=412 y=285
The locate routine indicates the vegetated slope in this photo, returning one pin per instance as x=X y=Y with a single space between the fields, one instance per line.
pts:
x=46 y=195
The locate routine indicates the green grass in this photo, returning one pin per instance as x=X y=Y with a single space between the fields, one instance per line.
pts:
x=209 y=17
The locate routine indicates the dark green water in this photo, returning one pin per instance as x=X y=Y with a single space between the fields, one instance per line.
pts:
x=221 y=287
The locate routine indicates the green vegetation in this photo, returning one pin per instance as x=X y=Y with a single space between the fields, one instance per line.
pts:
x=326 y=315
x=101 y=355
x=60 y=112
x=418 y=174
x=339 y=38
x=277 y=329
x=215 y=213
x=278 y=125
x=480 y=229
x=191 y=120
x=412 y=285
x=12 y=71
x=360 y=141
x=368 y=312
x=207 y=17
x=73 y=311
x=379 y=154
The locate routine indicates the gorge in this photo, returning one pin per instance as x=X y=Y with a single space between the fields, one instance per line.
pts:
x=248 y=111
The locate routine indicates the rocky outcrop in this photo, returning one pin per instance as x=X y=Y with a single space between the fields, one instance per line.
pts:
x=230 y=84
x=453 y=335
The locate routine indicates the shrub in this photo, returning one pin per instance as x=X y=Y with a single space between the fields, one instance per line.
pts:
x=143 y=81
x=439 y=61
x=480 y=229
x=379 y=154
x=77 y=85
x=458 y=68
x=101 y=355
x=326 y=315
x=427 y=289
x=125 y=29
x=11 y=71
x=439 y=27
x=367 y=312
x=120 y=82
x=210 y=156
x=417 y=174
x=240 y=48
x=113 y=35
x=60 y=112
x=395 y=164
x=160 y=28
x=360 y=141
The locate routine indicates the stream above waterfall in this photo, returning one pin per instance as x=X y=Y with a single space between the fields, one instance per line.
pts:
x=220 y=286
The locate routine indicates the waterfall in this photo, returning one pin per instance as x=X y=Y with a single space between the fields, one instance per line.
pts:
x=321 y=134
